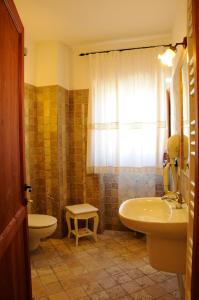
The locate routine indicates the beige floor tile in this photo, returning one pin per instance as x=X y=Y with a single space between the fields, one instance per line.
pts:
x=53 y=288
x=141 y=295
x=59 y=296
x=44 y=271
x=147 y=269
x=121 y=278
x=83 y=280
x=34 y=273
x=63 y=275
x=114 y=267
x=46 y=279
x=38 y=288
x=155 y=291
x=127 y=266
x=167 y=297
x=138 y=263
x=146 y=259
x=93 y=267
x=107 y=282
x=135 y=273
x=73 y=263
x=60 y=268
x=55 y=261
x=69 y=283
x=92 y=288
x=97 y=275
x=118 y=260
x=114 y=270
x=76 y=293
x=170 y=285
x=131 y=287
x=144 y=281
x=116 y=292
x=99 y=296
x=41 y=263
x=158 y=277
x=79 y=270
x=176 y=294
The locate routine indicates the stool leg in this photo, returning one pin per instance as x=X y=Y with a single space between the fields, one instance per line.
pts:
x=68 y=223
x=95 y=225
x=86 y=223
x=76 y=230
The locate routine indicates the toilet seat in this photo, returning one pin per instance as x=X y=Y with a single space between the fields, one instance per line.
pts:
x=40 y=221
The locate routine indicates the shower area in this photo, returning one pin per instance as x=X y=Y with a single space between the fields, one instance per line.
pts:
x=56 y=147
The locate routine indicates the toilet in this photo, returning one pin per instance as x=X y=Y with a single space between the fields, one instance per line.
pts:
x=40 y=226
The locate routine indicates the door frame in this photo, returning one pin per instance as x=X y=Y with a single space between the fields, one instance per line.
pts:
x=195 y=256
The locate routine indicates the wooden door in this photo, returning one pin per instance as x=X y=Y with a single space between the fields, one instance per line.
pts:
x=15 y=283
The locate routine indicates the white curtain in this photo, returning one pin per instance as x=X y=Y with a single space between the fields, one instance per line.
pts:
x=126 y=119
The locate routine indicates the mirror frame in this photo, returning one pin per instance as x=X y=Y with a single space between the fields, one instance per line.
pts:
x=177 y=73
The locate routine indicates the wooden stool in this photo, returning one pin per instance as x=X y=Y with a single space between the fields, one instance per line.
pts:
x=82 y=212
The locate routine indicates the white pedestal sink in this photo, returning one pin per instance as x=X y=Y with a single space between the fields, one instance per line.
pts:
x=165 y=227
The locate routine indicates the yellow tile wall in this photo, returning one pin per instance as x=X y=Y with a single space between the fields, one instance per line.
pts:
x=47 y=155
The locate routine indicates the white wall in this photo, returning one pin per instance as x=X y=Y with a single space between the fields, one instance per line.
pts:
x=178 y=33
x=52 y=64
x=179 y=29
x=29 y=60
x=63 y=65
x=47 y=63
x=80 y=66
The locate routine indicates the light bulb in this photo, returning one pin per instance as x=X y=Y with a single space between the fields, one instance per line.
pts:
x=167 y=57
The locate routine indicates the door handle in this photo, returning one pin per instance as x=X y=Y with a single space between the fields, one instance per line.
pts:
x=27 y=188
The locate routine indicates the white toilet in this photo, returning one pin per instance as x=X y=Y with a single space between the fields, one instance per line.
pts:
x=40 y=226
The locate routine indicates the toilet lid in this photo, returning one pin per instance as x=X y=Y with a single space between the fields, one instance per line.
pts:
x=40 y=221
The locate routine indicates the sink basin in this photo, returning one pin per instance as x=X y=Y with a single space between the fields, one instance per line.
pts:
x=165 y=227
x=154 y=215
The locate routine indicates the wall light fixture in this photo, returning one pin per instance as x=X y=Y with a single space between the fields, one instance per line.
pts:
x=167 y=57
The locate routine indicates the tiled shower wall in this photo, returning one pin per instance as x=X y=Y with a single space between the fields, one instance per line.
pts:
x=47 y=154
x=56 y=138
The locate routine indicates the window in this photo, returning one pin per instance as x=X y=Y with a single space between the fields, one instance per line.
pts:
x=126 y=122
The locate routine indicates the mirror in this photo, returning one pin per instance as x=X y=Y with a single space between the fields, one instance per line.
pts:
x=184 y=115
x=180 y=109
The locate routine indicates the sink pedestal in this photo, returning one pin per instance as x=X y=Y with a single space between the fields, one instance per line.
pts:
x=165 y=227
x=167 y=255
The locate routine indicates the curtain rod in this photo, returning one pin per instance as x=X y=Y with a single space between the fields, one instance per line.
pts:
x=184 y=44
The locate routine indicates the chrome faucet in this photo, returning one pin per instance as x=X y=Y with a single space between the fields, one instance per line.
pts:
x=175 y=196
x=179 y=200
x=169 y=197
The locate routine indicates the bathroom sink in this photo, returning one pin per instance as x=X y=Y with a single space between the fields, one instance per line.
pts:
x=165 y=227
x=154 y=215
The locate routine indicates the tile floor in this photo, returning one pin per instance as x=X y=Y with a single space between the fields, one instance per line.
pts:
x=116 y=267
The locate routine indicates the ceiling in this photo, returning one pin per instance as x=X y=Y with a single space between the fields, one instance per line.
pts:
x=77 y=22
